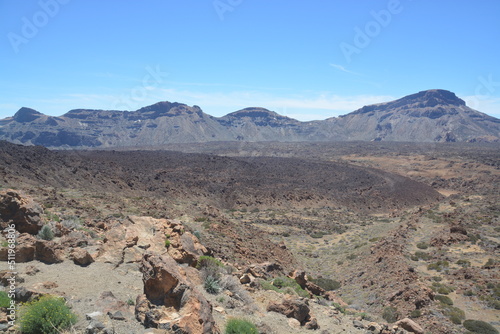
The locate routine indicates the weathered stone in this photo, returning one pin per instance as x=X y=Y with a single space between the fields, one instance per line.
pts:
x=312 y=324
x=292 y=308
x=410 y=326
x=21 y=210
x=81 y=257
x=47 y=252
x=170 y=298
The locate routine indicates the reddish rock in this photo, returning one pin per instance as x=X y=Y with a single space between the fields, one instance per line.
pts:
x=292 y=308
x=81 y=257
x=171 y=298
x=410 y=326
x=47 y=252
x=21 y=210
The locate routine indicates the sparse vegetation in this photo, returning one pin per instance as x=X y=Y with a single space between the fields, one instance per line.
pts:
x=167 y=243
x=390 y=314
x=327 y=283
x=240 y=326
x=479 y=327
x=442 y=288
x=284 y=285
x=464 y=263
x=444 y=299
x=455 y=314
x=47 y=315
x=438 y=266
x=46 y=233
x=4 y=299
x=422 y=245
x=212 y=285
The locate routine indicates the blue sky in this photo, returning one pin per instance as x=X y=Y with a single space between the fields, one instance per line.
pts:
x=304 y=59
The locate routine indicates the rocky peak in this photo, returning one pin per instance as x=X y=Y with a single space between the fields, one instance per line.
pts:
x=169 y=109
x=25 y=115
x=255 y=112
x=433 y=97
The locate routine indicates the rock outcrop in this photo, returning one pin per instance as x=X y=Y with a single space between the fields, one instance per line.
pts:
x=170 y=300
x=21 y=210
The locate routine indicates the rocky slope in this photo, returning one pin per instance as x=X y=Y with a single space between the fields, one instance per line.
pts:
x=428 y=116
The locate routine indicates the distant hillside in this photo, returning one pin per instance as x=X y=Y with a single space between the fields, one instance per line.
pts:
x=427 y=116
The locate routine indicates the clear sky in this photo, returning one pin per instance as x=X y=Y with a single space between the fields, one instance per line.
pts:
x=305 y=59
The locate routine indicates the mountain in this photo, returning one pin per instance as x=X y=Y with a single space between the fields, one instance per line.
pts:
x=432 y=115
x=428 y=116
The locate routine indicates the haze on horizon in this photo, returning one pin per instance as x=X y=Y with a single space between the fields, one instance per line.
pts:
x=307 y=61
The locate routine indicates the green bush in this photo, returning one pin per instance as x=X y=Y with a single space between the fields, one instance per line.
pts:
x=415 y=314
x=444 y=299
x=480 y=327
x=212 y=285
x=47 y=315
x=390 y=314
x=438 y=266
x=455 y=314
x=441 y=288
x=208 y=261
x=46 y=233
x=284 y=285
x=240 y=326
x=489 y=264
x=4 y=299
x=326 y=283
x=422 y=255
x=464 y=263
x=422 y=245
x=167 y=243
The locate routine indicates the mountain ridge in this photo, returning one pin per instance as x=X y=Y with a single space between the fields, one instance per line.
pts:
x=434 y=115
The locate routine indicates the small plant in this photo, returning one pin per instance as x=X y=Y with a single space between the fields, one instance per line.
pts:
x=208 y=261
x=240 y=326
x=489 y=264
x=4 y=299
x=415 y=314
x=438 y=266
x=212 y=285
x=390 y=314
x=455 y=314
x=422 y=245
x=197 y=234
x=464 y=263
x=284 y=285
x=444 y=300
x=480 y=327
x=167 y=243
x=441 y=288
x=326 y=283
x=422 y=255
x=46 y=233
x=130 y=302
x=47 y=315
x=339 y=307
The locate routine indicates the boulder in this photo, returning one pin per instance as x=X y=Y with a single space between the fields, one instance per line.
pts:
x=81 y=257
x=292 y=308
x=47 y=252
x=410 y=326
x=21 y=210
x=25 y=249
x=170 y=299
